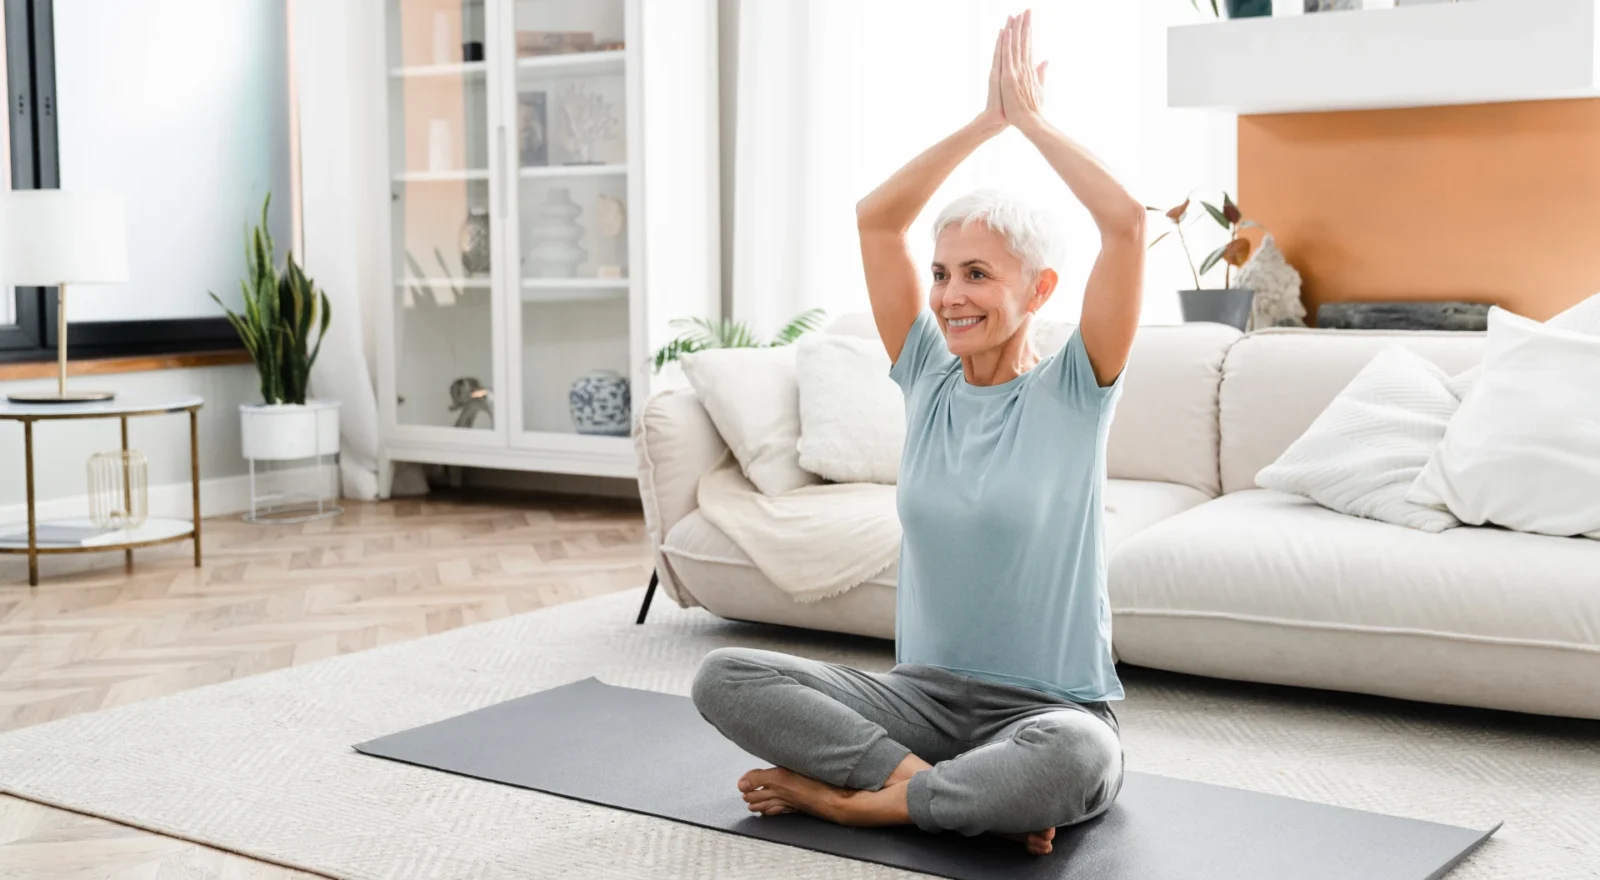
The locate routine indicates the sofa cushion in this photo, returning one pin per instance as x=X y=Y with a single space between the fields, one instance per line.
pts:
x=754 y=400
x=1165 y=428
x=852 y=415
x=707 y=562
x=718 y=576
x=1264 y=586
x=1276 y=382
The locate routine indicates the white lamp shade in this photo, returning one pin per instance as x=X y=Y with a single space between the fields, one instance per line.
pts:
x=52 y=236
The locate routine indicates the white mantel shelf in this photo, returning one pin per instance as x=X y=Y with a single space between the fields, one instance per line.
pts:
x=1474 y=51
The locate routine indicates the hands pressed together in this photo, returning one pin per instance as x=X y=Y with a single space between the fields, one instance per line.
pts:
x=1016 y=84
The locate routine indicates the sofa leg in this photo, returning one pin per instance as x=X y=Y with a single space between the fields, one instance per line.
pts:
x=649 y=593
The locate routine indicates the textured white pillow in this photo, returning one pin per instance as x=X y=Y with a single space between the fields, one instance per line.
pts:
x=852 y=415
x=1523 y=450
x=1364 y=451
x=753 y=399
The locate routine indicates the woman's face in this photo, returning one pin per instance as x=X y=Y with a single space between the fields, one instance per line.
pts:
x=980 y=293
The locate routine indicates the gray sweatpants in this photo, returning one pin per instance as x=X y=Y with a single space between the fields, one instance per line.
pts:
x=1005 y=758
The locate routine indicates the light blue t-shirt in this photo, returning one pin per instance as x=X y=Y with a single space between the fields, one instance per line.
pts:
x=1003 y=559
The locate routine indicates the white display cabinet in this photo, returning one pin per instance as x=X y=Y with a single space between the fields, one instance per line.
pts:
x=553 y=204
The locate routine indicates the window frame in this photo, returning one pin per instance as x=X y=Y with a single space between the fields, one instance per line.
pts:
x=36 y=164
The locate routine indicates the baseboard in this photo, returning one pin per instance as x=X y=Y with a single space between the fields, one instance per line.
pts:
x=560 y=484
x=219 y=496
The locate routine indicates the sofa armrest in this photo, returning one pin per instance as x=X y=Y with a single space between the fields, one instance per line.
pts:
x=676 y=444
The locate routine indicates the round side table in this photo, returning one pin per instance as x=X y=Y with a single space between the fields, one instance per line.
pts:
x=78 y=534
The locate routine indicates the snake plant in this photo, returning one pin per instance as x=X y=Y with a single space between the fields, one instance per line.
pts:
x=280 y=312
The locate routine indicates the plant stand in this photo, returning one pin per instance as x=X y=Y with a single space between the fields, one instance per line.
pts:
x=292 y=432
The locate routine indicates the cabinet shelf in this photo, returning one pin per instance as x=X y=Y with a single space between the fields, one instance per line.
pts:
x=467 y=69
x=480 y=283
x=572 y=170
x=558 y=290
x=609 y=61
x=442 y=176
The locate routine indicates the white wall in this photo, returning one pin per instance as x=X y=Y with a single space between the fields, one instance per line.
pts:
x=885 y=80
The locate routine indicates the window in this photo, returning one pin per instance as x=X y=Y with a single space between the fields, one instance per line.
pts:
x=193 y=94
x=22 y=315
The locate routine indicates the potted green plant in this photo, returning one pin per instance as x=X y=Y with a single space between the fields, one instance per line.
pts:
x=698 y=334
x=1228 y=304
x=280 y=313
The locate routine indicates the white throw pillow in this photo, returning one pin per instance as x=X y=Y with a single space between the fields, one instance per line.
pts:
x=1364 y=451
x=753 y=399
x=1581 y=318
x=1523 y=450
x=852 y=415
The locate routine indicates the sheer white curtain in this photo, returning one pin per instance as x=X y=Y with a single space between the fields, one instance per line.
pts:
x=332 y=72
x=834 y=95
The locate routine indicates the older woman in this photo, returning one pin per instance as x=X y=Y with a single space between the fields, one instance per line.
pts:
x=996 y=717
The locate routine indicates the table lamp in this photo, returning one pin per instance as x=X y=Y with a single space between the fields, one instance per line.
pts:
x=59 y=237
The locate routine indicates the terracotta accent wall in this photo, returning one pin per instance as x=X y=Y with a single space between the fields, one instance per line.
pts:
x=1491 y=203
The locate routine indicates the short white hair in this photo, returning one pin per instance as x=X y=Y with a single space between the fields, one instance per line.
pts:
x=1029 y=231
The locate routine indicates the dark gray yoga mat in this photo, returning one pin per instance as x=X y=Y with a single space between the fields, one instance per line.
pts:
x=653 y=753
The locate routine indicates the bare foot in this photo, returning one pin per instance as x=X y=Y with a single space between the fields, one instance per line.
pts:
x=1038 y=841
x=778 y=790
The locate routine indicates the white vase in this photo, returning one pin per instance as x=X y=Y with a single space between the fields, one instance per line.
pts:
x=440 y=140
x=555 y=234
x=288 y=431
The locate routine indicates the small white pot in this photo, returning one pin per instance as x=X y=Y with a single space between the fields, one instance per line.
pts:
x=286 y=431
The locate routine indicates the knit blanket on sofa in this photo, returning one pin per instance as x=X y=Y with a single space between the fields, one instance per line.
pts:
x=813 y=542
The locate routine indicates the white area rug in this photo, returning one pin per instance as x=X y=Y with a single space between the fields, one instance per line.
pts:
x=263 y=765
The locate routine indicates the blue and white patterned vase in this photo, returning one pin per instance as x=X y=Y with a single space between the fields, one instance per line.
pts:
x=601 y=404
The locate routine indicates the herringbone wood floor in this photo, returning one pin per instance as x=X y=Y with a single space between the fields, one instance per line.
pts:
x=91 y=636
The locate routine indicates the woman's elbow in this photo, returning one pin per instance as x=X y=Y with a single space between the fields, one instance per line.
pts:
x=866 y=213
x=1126 y=221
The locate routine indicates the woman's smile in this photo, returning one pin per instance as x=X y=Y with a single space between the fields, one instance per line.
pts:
x=962 y=325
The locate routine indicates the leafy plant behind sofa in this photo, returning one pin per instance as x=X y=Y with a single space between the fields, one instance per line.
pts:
x=698 y=334
x=1233 y=253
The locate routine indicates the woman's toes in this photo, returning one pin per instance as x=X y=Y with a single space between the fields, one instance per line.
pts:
x=769 y=807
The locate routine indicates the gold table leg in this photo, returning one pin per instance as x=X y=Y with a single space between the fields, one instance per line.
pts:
x=127 y=495
x=194 y=477
x=33 y=527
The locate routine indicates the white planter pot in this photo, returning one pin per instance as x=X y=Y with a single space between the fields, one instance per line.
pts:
x=286 y=431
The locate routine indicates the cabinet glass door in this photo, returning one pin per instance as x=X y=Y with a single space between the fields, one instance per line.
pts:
x=569 y=320
x=443 y=240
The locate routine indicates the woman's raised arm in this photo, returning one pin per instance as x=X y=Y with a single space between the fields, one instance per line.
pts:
x=1116 y=283
x=886 y=214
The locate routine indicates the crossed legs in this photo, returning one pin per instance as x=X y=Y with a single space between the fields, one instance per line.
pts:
x=910 y=746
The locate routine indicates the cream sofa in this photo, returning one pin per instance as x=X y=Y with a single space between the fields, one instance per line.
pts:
x=1213 y=576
